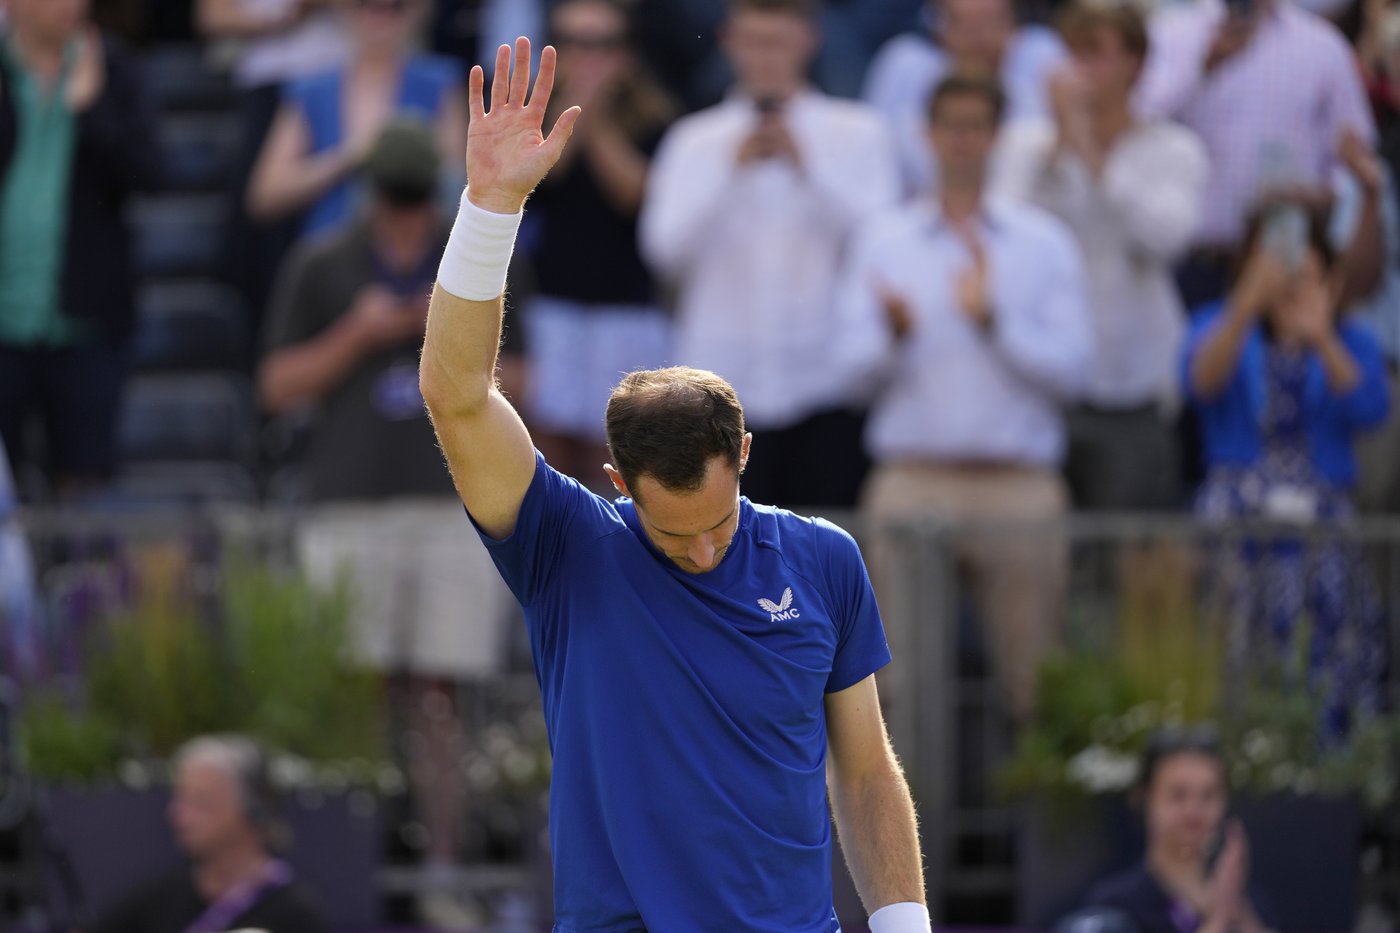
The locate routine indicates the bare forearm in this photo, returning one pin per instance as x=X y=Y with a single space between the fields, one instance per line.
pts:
x=621 y=169
x=228 y=19
x=1338 y=365
x=278 y=190
x=1219 y=354
x=880 y=836
x=306 y=373
x=458 y=368
x=1364 y=259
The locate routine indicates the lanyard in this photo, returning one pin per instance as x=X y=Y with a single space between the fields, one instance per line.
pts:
x=236 y=901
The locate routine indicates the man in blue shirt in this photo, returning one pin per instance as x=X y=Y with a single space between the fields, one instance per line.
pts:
x=706 y=663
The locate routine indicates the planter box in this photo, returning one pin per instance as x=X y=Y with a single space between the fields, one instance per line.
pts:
x=1303 y=851
x=119 y=840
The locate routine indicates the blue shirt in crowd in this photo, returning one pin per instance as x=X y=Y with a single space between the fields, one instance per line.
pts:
x=1231 y=422
x=686 y=711
x=426 y=80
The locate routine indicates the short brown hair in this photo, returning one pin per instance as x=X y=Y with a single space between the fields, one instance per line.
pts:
x=670 y=423
x=1083 y=18
x=964 y=85
x=804 y=8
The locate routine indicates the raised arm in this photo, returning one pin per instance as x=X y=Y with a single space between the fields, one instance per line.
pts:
x=487 y=447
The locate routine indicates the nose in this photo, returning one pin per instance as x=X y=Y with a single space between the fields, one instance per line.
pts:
x=702 y=552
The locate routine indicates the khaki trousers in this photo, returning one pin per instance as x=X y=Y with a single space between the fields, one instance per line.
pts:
x=1009 y=546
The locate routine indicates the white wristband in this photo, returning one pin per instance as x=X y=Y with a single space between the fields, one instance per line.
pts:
x=478 y=253
x=906 y=917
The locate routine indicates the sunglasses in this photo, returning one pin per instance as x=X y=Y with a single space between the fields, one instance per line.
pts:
x=584 y=43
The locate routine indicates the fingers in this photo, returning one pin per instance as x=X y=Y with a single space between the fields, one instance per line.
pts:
x=476 y=103
x=544 y=82
x=520 y=74
x=500 y=80
x=563 y=129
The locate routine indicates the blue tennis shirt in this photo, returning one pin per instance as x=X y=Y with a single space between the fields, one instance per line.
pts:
x=685 y=711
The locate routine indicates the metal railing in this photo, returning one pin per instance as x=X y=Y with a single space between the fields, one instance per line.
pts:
x=946 y=709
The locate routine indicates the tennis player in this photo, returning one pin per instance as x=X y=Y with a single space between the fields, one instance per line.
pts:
x=707 y=664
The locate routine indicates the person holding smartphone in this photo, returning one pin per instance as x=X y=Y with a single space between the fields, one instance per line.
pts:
x=1284 y=386
x=749 y=208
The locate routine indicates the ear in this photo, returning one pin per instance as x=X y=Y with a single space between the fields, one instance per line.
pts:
x=616 y=478
x=744 y=452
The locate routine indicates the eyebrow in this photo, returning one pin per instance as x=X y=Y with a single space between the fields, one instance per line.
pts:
x=672 y=534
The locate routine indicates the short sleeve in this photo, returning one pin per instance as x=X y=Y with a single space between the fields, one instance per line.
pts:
x=861 y=648
x=529 y=556
x=289 y=317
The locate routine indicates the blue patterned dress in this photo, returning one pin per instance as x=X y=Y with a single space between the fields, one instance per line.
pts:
x=1274 y=586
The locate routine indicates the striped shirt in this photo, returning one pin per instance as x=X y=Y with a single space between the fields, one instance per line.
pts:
x=1271 y=115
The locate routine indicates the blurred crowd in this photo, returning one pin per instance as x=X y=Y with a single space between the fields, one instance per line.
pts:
x=967 y=260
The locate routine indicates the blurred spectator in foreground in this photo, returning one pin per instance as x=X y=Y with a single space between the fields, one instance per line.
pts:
x=225 y=817
x=1131 y=192
x=326 y=124
x=969 y=37
x=1183 y=793
x=1284 y=388
x=973 y=314
x=279 y=42
x=343 y=337
x=748 y=211
x=594 y=314
x=19 y=603
x=75 y=140
x=1378 y=453
x=1271 y=89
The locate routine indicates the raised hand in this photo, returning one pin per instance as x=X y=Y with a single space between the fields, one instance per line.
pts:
x=507 y=151
x=974 y=284
x=89 y=73
x=899 y=314
x=1226 y=898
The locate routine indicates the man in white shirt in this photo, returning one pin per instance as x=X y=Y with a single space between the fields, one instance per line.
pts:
x=970 y=37
x=748 y=211
x=1131 y=190
x=972 y=315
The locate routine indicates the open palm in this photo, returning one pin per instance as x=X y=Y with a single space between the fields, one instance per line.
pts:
x=507 y=151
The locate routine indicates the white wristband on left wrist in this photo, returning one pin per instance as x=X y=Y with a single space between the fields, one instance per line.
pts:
x=478 y=253
x=905 y=917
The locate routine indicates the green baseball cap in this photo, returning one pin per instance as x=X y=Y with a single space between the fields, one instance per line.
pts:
x=403 y=163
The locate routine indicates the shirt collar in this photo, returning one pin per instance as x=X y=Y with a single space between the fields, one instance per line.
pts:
x=991 y=215
x=800 y=101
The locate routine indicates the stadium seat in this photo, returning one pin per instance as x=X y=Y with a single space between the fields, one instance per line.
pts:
x=179 y=77
x=178 y=235
x=188 y=418
x=187 y=326
x=200 y=151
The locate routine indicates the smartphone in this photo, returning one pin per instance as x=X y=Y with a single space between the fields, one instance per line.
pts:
x=1285 y=234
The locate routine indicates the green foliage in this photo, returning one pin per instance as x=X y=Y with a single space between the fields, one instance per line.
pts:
x=71 y=743
x=1099 y=702
x=267 y=655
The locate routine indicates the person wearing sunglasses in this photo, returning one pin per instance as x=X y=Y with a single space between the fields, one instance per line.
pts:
x=594 y=314
x=326 y=124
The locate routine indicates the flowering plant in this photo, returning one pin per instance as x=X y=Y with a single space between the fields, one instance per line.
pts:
x=257 y=651
x=1164 y=665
